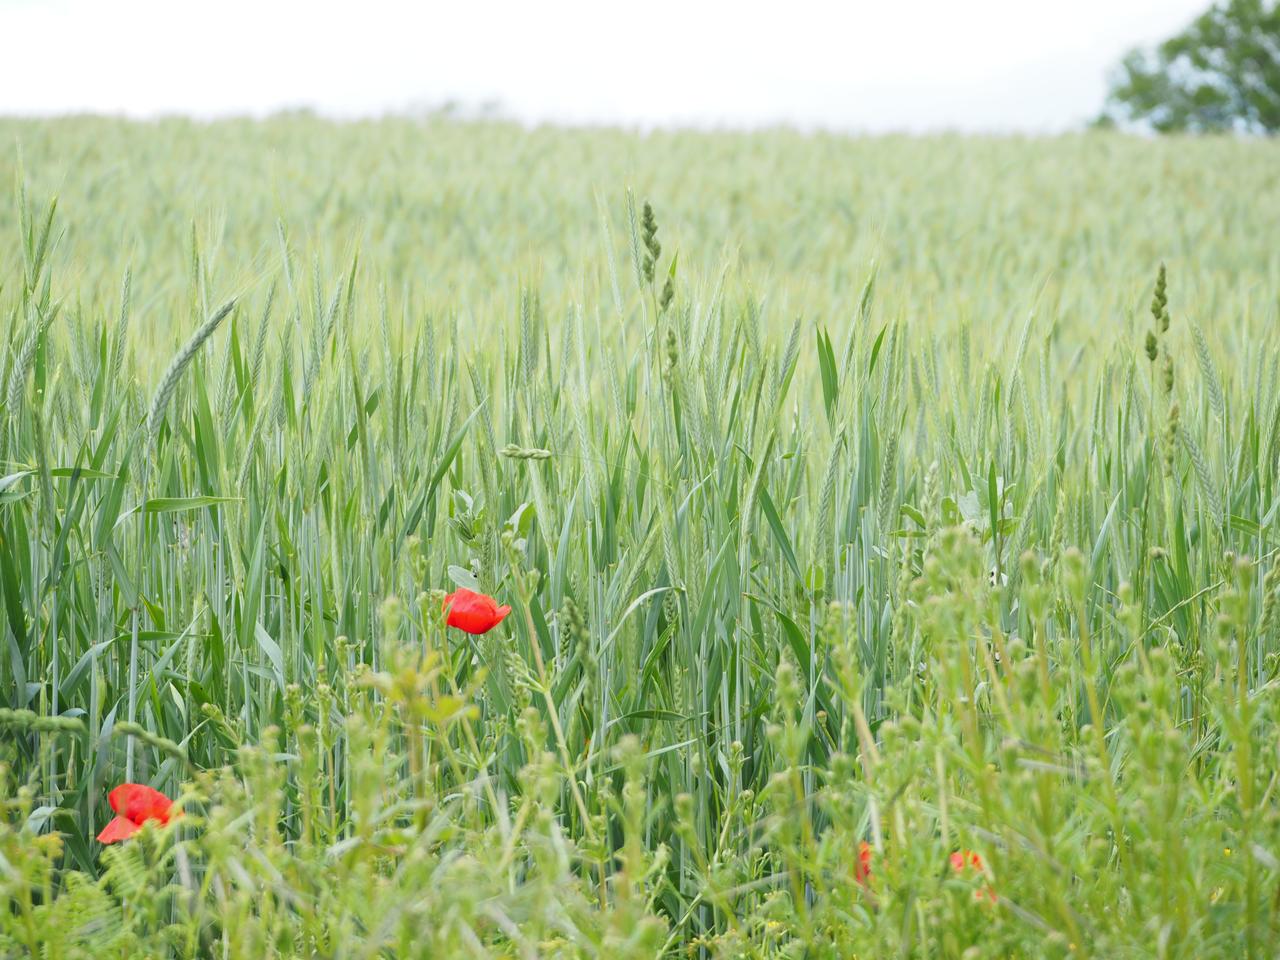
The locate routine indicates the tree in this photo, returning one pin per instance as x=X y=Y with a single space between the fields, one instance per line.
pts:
x=1221 y=74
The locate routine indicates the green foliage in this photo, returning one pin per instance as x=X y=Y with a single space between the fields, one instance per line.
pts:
x=1221 y=74
x=875 y=524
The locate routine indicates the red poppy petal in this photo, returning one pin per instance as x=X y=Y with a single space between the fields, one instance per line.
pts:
x=862 y=869
x=462 y=597
x=140 y=803
x=120 y=828
x=473 y=612
x=461 y=616
x=473 y=621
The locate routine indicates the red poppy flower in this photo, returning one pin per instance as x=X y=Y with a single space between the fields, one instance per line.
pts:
x=474 y=612
x=961 y=861
x=862 y=869
x=134 y=805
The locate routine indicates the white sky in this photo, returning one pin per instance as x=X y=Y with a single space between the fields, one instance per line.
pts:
x=864 y=65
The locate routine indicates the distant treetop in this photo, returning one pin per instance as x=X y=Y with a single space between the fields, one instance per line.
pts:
x=1221 y=74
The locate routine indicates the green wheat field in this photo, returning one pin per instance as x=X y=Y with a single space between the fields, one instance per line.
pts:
x=889 y=525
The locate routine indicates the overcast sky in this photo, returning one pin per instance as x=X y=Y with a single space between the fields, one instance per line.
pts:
x=862 y=65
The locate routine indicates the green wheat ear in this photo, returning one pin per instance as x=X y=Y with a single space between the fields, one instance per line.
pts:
x=1161 y=299
x=514 y=452
x=653 y=249
x=173 y=373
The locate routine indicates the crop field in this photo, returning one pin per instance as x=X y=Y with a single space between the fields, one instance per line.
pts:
x=888 y=526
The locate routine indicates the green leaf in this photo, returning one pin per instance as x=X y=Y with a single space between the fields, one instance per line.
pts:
x=464 y=578
x=178 y=504
x=81 y=473
x=780 y=534
x=830 y=378
x=269 y=647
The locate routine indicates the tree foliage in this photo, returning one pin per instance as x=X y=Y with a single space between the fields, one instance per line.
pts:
x=1221 y=74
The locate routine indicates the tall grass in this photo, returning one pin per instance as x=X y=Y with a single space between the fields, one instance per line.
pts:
x=839 y=492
